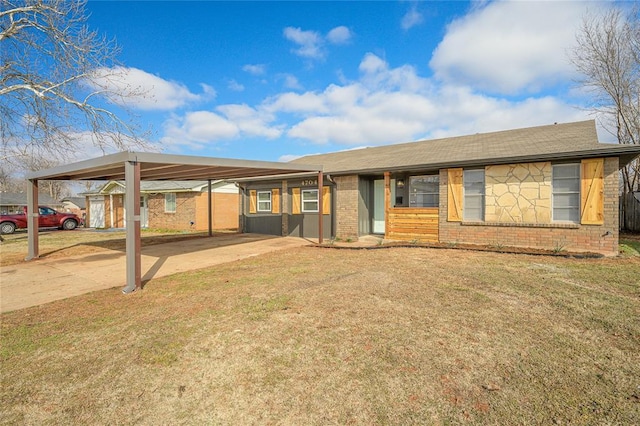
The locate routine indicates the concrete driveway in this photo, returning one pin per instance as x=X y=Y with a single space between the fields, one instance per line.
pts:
x=43 y=280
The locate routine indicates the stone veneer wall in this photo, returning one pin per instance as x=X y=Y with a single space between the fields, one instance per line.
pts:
x=346 y=207
x=518 y=193
x=572 y=237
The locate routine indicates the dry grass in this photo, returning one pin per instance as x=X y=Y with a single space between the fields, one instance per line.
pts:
x=320 y=336
x=58 y=244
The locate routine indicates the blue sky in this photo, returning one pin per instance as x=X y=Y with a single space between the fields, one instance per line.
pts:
x=276 y=80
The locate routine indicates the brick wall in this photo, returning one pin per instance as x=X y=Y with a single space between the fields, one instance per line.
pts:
x=546 y=236
x=346 y=207
x=180 y=220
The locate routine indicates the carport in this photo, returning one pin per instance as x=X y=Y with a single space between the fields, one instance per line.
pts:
x=132 y=167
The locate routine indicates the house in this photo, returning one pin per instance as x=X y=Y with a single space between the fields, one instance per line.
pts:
x=175 y=205
x=550 y=187
x=75 y=205
x=14 y=202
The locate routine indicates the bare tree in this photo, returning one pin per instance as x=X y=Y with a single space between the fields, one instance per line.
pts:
x=608 y=57
x=53 y=96
x=56 y=189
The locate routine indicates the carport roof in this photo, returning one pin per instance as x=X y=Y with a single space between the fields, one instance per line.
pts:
x=156 y=166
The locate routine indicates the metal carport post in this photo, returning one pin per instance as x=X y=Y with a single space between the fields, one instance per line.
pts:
x=132 y=218
x=32 y=220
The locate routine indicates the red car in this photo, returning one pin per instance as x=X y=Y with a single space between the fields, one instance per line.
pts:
x=47 y=218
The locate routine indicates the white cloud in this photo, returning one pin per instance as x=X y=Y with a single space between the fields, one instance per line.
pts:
x=510 y=47
x=291 y=82
x=310 y=42
x=308 y=102
x=384 y=105
x=339 y=35
x=255 y=69
x=235 y=86
x=372 y=64
x=136 y=88
x=197 y=128
x=390 y=105
x=208 y=90
x=250 y=121
x=411 y=18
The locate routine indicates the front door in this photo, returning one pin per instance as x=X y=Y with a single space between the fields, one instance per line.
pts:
x=378 y=204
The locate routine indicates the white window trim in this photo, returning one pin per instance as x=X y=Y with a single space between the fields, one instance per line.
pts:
x=553 y=194
x=175 y=202
x=258 y=201
x=317 y=201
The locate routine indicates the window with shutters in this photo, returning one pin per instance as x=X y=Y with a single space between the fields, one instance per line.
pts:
x=264 y=201
x=565 y=192
x=170 y=202
x=473 y=182
x=424 y=191
x=309 y=200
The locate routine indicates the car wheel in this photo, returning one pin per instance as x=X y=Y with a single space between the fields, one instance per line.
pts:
x=7 y=228
x=69 y=224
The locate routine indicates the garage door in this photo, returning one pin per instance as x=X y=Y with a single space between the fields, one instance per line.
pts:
x=96 y=212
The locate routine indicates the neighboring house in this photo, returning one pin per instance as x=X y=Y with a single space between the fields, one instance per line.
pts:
x=14 y=202
x=551 y=187
x=176 y=205
x=75 y=205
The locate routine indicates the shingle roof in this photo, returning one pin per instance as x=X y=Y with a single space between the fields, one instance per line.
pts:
x=20 y=199
x=78 y=201
x=170 y=185
x=543 y=142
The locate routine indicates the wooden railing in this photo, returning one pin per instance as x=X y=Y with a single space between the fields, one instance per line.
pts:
x=412 y=224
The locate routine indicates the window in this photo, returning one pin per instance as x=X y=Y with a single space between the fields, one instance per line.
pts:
x=170 y=202
x=424 y=191
x=473 y=195
x=45 y=211
x=565 y=195
x=309 y=200
x=264 y=201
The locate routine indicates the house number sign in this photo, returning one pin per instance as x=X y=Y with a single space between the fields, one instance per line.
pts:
x=310 y=182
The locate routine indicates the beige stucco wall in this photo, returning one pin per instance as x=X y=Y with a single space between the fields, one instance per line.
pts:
x=518 y=193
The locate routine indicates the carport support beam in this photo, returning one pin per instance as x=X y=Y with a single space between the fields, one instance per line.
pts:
x=32 y=219
x=132 y=208
x=320 y=209
x=209 y=208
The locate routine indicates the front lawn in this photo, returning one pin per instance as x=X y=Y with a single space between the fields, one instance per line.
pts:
x=327 y=336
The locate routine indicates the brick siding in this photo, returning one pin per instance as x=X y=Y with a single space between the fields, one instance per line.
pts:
x=346 y=207
x=593 y=238
x=180 y=220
